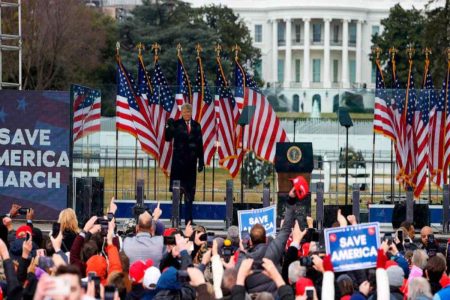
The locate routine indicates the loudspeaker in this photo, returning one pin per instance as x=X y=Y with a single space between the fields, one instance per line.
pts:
x=89 y=197
x=421 y=215
x=243 y=206
x=330 y=213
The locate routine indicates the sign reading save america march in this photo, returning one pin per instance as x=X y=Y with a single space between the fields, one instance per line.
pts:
x=267 y=217
x=353 y=247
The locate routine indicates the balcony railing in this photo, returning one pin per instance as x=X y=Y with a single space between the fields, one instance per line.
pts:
x=334 y=42
x=316 y=42
x=297 y=42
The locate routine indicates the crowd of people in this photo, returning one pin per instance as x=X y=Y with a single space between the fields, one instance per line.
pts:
x=155 y=262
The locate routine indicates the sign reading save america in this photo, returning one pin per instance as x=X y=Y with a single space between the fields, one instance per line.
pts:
x=353 y=247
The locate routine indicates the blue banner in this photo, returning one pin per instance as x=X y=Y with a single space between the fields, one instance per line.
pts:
x=353 y=247
x=35 y=151
x=267 y=217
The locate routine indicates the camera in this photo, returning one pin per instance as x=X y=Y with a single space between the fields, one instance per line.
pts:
x=245 y=238
x=257 y=266
x=227 y=250
x=432 y=247
x=169 y=240
x=309 y=293
x=306 y=261
x=104 y=226
x=109 y=292
x=23 y=211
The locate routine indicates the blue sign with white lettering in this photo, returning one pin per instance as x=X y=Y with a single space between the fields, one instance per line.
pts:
x=353 y=247
x=267 y=217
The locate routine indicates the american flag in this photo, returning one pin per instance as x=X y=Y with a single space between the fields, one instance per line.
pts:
x=437 y=135
x=183 y=94
x=86 y=111
x=230 y=156
x=410 y=143
x=421 y=134
x=130 y=113
x=383 y=122
x=163 y=107
x=202 y=101
x=398 y=107
x=445 y=96
x=264 y=130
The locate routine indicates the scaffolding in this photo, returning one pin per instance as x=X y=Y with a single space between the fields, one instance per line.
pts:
x=11 y=42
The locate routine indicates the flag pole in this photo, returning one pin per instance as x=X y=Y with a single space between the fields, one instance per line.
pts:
x=427 y=52
x=392 y=52
x=377 y=51
x=117 y=135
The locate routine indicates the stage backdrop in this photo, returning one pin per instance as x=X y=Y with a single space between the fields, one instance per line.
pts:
x=35 y=151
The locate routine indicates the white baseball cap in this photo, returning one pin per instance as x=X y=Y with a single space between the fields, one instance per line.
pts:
x=151 y=277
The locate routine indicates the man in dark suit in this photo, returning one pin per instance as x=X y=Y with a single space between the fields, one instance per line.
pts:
x=187 y=149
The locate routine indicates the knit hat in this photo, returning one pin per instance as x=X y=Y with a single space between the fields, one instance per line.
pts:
x=395 y=275
x=97 y=264
x=151 y=277
x=22 y=230
x=301 y=186
x=301 y=284
x=138 y=268
x=169 y=231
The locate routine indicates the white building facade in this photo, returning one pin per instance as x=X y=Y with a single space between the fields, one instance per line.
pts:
x=314 y=44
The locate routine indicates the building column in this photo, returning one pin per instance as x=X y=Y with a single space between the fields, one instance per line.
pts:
x=306 y=68
x=274 y=50
x=288 y=56
x=345 y=76
x=358 y=51
x=326 y=55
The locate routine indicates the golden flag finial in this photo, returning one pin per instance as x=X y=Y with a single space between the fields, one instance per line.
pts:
x=392 y=52
x=218 y=49
x=199 y=49
x=179 y=49
x=410 y=51
x=117 y=48
x=427 y=52
x=448 y=53
x=156 y=48
x=236 y=50
x=140 y=47
x=377 y=50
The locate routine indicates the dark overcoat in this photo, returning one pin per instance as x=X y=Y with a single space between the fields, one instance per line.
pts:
x=187 y=150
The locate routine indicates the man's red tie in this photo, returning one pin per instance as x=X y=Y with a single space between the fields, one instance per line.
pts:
x=188 y=127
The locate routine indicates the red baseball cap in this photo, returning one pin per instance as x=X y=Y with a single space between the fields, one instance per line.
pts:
x=301 y=285
x=301 y=186
x=22 y=231
x=137 y=270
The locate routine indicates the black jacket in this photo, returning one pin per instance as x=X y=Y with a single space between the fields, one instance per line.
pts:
x=187 y=149
x=258 y=282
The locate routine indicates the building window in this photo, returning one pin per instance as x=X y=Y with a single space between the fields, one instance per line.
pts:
x=375 y=29
x=297 y=33
x=317 y=33
x=281 y=34
x=336 y=33
x=316 y=70
x=258 y=33
x=280 y=70
x=374 y=75
x=352 y=33
x=297 y=70
x=335 y=70
x=258 y=68
x=352 y=68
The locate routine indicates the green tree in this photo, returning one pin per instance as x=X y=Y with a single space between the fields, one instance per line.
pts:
x=401 y=28
x=429 y=28
x=170 y=22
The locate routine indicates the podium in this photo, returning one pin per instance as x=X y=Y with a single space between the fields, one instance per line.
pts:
x=292 y=160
